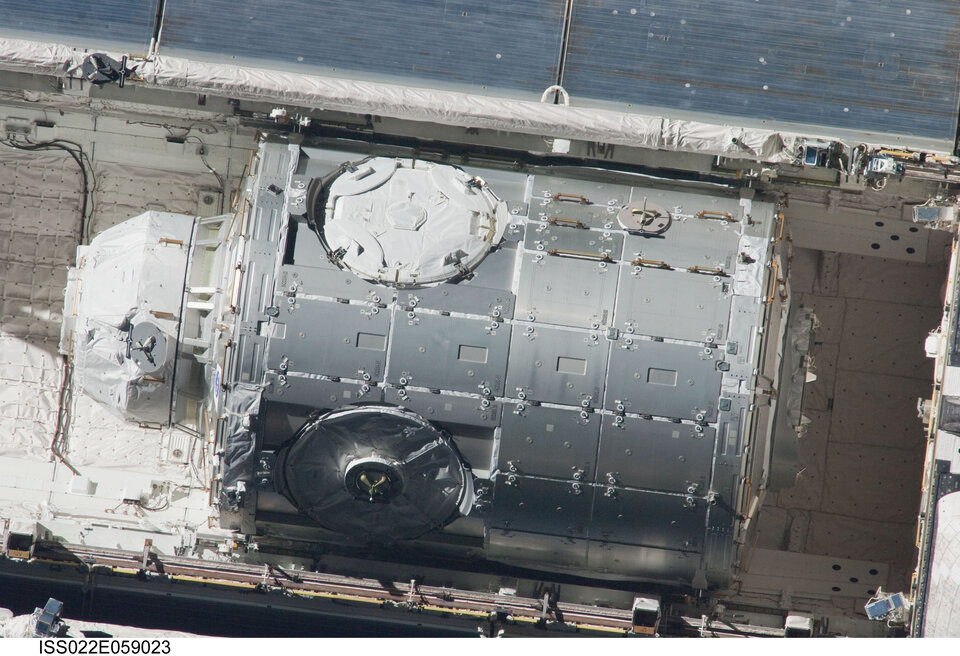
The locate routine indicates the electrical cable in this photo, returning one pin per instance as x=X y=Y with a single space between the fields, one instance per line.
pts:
x=88 y=184
x=202 y=152
x=163 y=506
x=63 y=415
x=202 y=128
x=87 y=176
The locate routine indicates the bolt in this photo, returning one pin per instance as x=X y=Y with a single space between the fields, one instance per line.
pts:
x=577 y=488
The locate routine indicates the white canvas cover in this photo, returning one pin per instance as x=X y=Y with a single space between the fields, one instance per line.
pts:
x=406 y=222
x=130 y=274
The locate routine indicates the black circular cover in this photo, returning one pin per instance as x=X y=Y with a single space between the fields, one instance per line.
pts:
x=374 y=473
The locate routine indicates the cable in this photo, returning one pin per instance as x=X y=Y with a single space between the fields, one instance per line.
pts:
x=163 y=506
x=63 y=415
x=202 y=128
x=201 y=152
x=87 y=176
x=76 y=152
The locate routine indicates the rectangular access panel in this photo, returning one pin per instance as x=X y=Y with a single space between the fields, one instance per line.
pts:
x=332 y=339
x=664 y=380
x=567 y=367
x=674 y=304
x=549 y=442
x=664 y=521
x=450 y=353
x=540 y=506
x=656 y=455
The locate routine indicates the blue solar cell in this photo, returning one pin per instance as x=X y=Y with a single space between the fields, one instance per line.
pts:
x=878 y=67
x=474 y=43
x=100 y=24
x=879 y=608
x=887 y=67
